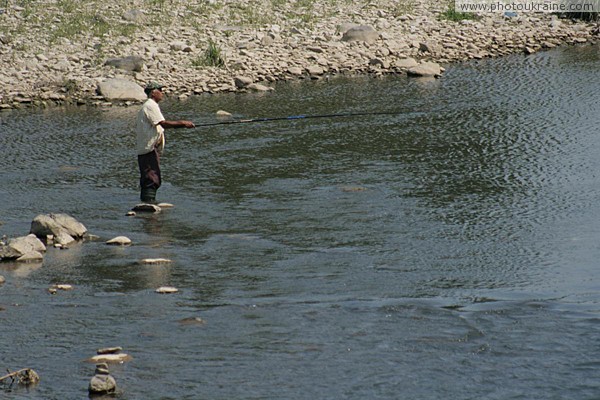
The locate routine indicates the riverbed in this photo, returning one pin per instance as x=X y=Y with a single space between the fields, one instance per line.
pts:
x=447 y=250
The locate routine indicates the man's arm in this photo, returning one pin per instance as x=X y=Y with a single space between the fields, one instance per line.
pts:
x=176 y=124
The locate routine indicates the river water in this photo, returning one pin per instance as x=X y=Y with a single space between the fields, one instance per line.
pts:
x=449 y=251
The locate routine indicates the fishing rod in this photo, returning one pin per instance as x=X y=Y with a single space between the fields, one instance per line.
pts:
x=296 y=117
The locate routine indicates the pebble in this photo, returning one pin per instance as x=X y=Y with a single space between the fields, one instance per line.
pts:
x=155 y=261
x=192 y=321
x=167 y=290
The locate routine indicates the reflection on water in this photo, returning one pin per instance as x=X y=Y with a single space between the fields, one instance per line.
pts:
x=446 y=251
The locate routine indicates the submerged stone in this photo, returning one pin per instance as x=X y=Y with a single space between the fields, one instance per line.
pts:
x=119 y=240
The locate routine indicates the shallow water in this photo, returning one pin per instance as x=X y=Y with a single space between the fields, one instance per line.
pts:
x=445 y=252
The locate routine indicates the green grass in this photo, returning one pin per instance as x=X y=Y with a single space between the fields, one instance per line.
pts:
x=452 y=15
x=403 y=7
x=212 y=57
x=96 y=25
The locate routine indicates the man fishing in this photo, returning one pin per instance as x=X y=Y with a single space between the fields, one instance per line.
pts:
x=150 y=127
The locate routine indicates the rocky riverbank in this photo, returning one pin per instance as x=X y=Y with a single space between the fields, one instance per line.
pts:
x=63 y=51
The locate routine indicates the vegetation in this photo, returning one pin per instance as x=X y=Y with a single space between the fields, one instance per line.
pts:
x=212 y=57
x=452 y=15
x=403 y=7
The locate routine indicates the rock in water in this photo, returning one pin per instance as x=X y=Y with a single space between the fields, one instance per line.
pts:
x=155 y=261
x=110 y=358
x=167 y=290
x=144 y=207
x=54 y=224
x=102 y=382
x=119 y=240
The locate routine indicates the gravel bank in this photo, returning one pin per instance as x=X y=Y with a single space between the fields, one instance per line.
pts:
x=59 y=51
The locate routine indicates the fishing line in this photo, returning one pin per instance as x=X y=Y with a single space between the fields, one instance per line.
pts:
x=296 y=117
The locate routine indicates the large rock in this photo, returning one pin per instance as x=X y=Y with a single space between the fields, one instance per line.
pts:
x=242 y=81
x=129 y=63
x=25 y=248
x=27 y=244
x=362 y=33
x=121 y=89
x=406 y=63
x=55 y=224
x=426 y=69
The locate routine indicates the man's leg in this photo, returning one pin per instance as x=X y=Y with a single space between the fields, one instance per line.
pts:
x=150 y=178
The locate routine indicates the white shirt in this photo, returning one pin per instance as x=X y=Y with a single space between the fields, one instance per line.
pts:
x=150 y=134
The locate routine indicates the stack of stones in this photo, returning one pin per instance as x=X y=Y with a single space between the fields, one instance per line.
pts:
x=102 y=382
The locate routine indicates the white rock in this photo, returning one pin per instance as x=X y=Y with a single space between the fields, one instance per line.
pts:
x=62 y=287
x=110 y=358
x=119 y=240
x=167 y=290
x=27 y=244
x=121 y=89
x=222 y=114
x=155 y=261
x=425 y=69
x=63 y=239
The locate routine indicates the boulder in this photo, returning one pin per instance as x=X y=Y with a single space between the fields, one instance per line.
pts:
x=362 y=33
x=259 y=88
x=129 y=63
x=55 y=224
x=26 y=244
x=315 y=70
x=406 y=63
x=426 y=69
x=242 y=81
x=121 y=89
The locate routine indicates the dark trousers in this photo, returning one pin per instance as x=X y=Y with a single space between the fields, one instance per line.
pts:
x=149 y=164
